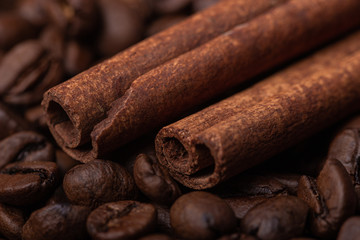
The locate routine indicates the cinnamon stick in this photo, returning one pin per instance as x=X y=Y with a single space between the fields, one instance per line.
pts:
x=239 y=132
x=74 y=107
x=168 y=90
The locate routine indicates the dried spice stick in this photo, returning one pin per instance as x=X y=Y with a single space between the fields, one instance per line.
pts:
x=75 y=106
x=168 y=90
x=237 y=133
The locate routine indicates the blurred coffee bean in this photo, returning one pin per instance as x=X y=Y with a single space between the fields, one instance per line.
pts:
x=58 y=197
x=163 y=23
x=36 y=116
x=154 y=181
x=26 y=183
x=98 y=182
x=169 y=6
x=14 y=29
x=11 y=122
x=33 y=11
x=346 y=148
x=6 y=5
x=331 y=198
x=77 y=18
x=11 y=221
x=350 y=230
x=57 y=222
x=246 y=185
x=201 y=215
x=77 y=58
x=278 y=218
x=121 y=27
x=156 y=237
x=64 y=162
x=163 y=218
x=53 y=41
x=121 y=220
x=241 y=205
x=25 y=147
x=27 y=71
x=198 y=5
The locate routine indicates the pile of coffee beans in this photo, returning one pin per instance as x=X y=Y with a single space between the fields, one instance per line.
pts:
x=312 y=191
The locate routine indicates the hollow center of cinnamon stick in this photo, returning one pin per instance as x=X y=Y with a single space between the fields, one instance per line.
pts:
x=175 y=153
x=61 y=123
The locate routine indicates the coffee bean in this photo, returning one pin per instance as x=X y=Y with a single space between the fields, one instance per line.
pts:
x=331 y=198
x=350 y=229
x=121 y=27
x=11 y=221
x=201 y=215
x=57 y=222
x=121 y=220
x=154 y=181
x=77 y=58
x=98 y=182
x=77 y=18
x=163 y=23
x=11 y=122
x=199 y=5
x=169 y=6
x=26 y=146
x=241 y=205
x=35 y=115
x=26 y=183
x=237 y=236
x=14 y=29
x=346 y=148
x=33 y=11
x=27 y=71
x=163 y=218
x=279 y=218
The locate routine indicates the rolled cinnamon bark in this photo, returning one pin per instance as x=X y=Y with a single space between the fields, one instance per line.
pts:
x=168 y=90
x=74 y=107
x=239 y=132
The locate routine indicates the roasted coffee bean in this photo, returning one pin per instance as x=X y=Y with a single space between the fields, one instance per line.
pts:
x=121 y=220
x=163 y=23
x=331 y=198
x=27 y=71
x=14 y=29
x=26 y=146
x=170 y=6
x=121 y=27
x=278 y=218
x=10 y=122
x=241 y=205
x=35 y=115
x=58 y=197
x=77 y=58
x=78 y=18
x=350 y=230
x=57 y=221
x=346 y=148
x=199 y=5
x=201 y=215
x=156 y=237
x=163 y=218
x=26 y=183
x=33 y=11
x=154 y=181
x=98 y=182
x=247 y=185
x=11 y=221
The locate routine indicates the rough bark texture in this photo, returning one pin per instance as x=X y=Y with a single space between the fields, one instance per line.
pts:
x=162 y=93
x=241 y=131
x=74 y=107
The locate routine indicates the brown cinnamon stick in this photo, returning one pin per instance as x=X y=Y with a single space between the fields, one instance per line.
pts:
x=237 y=133
x=75 y=106
x=168 y=90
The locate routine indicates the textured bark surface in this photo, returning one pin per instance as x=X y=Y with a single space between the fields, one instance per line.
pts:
x=75 y=106
x=241 y=131
x=160 y=94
